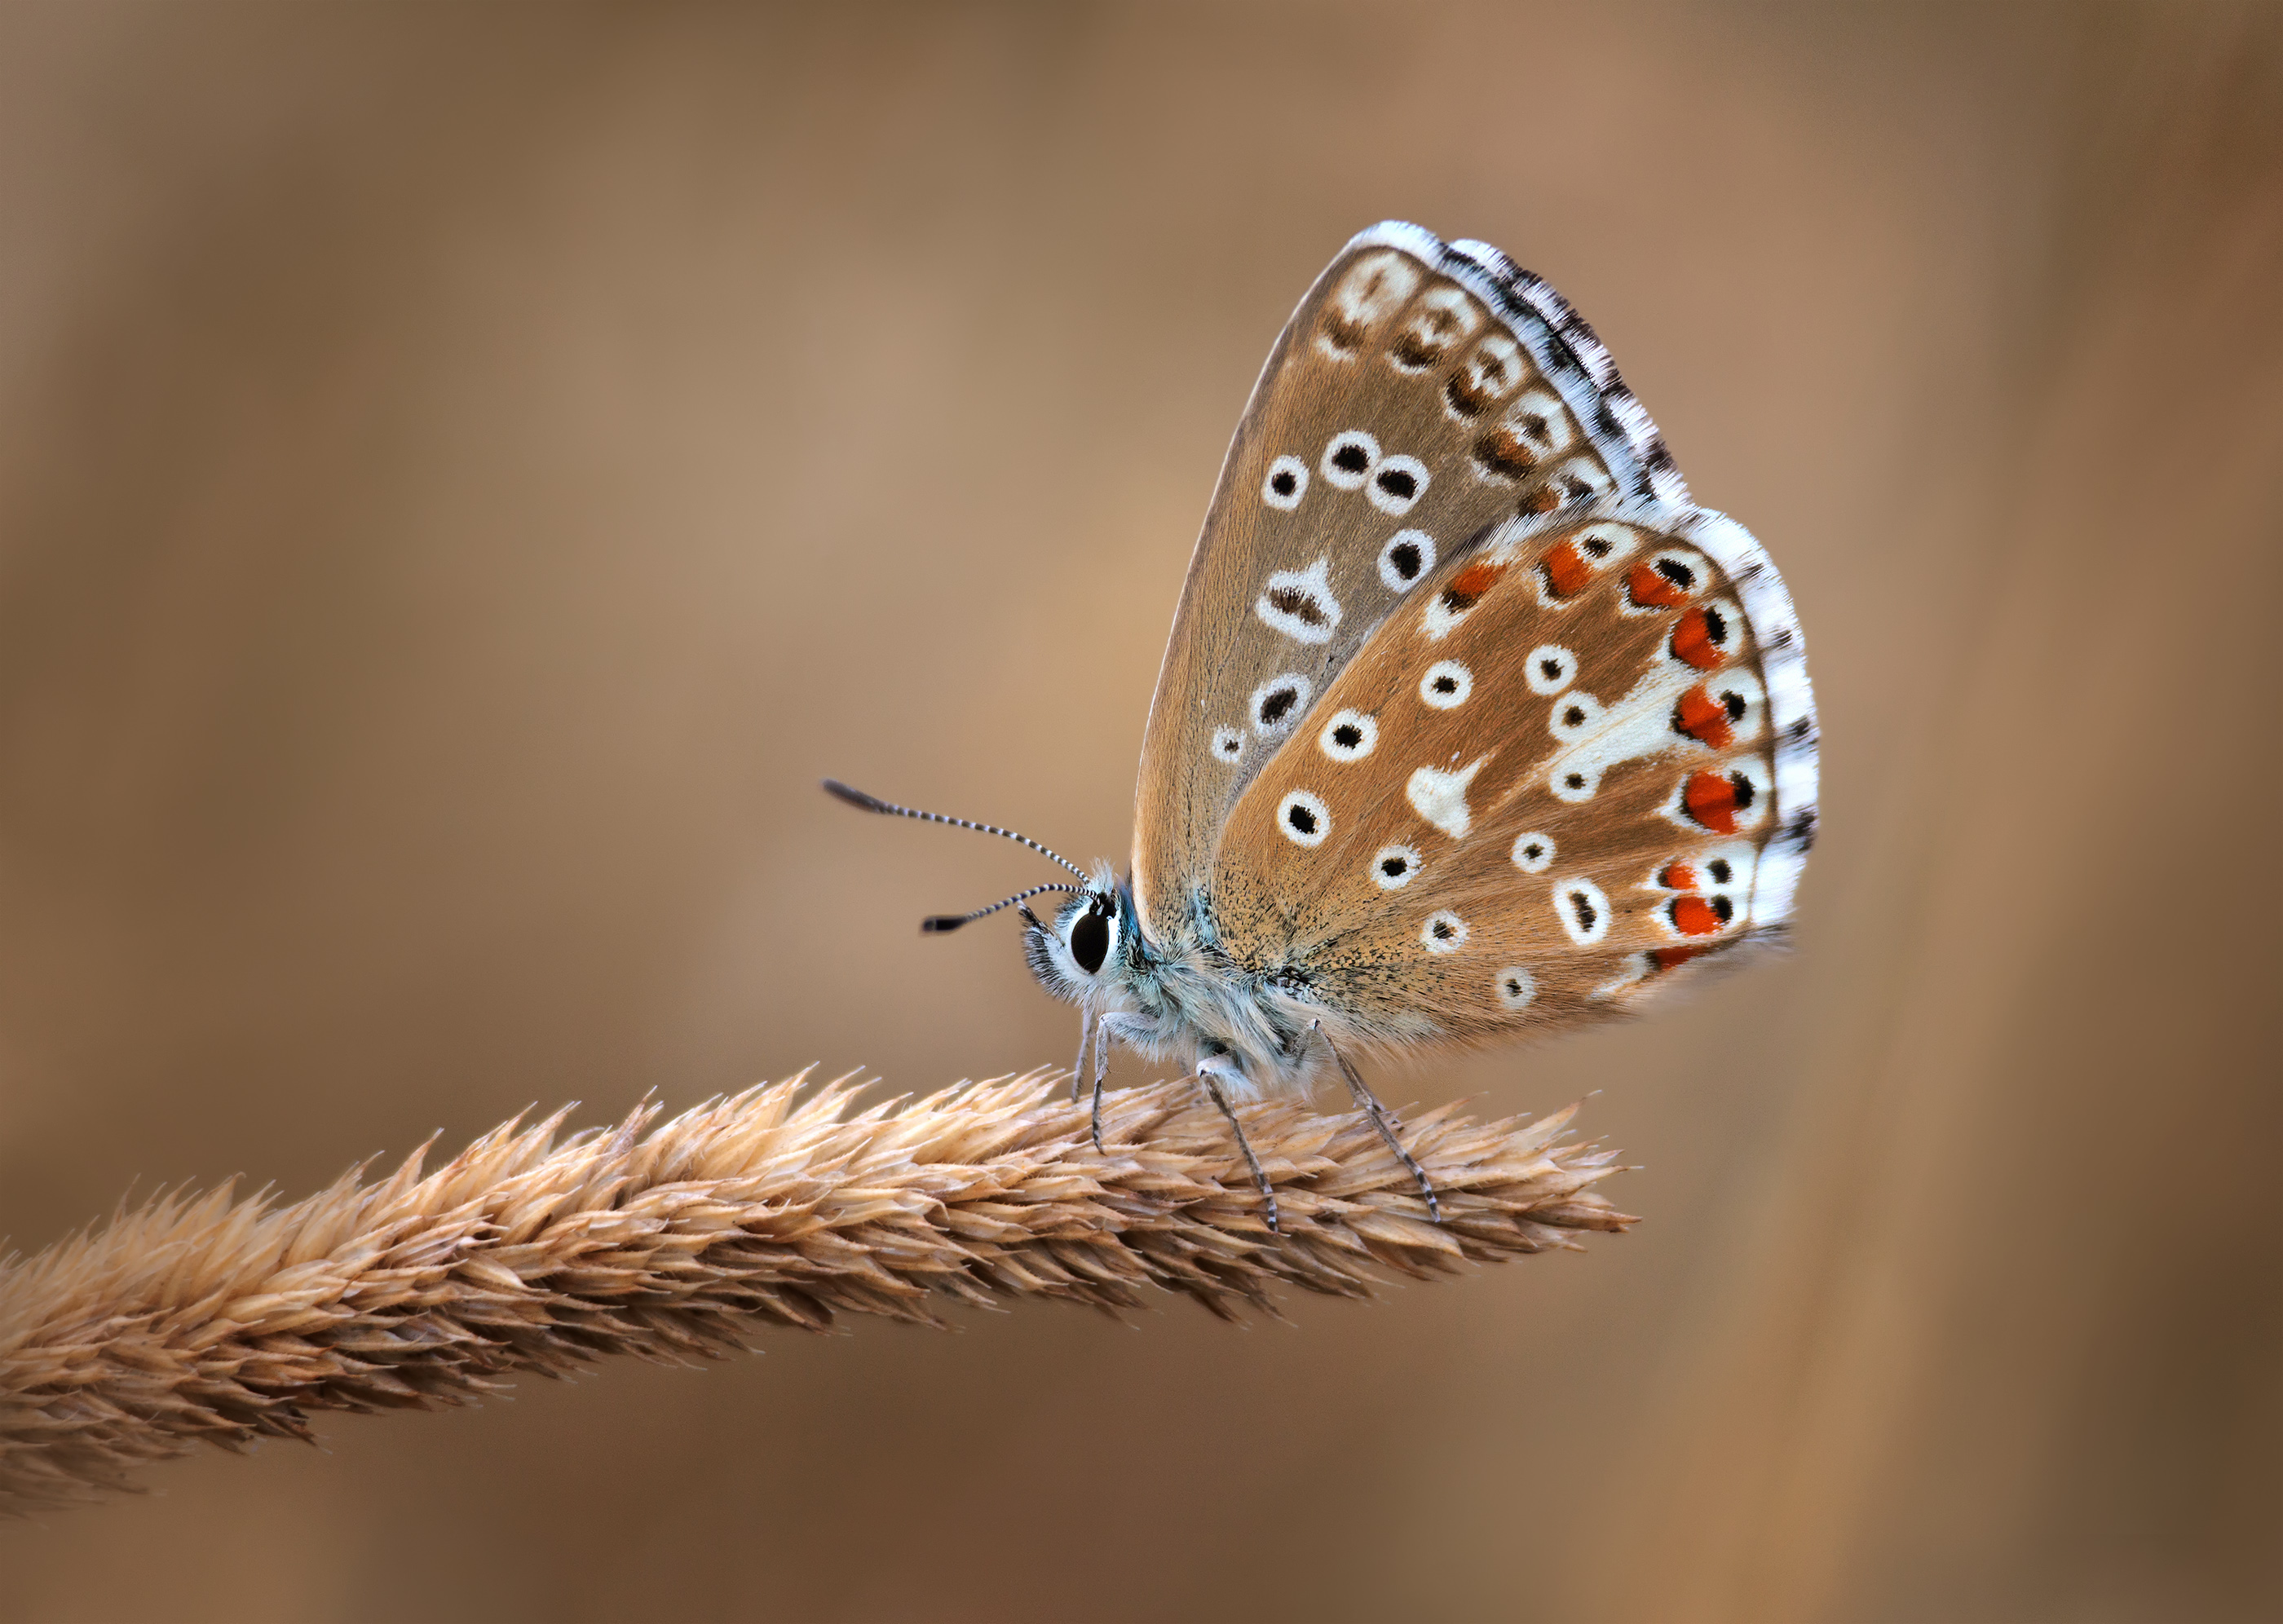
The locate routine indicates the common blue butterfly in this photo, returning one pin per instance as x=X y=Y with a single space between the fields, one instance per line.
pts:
x=1471 y=725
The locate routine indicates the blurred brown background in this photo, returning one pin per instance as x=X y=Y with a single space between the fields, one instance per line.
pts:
x=466 y=472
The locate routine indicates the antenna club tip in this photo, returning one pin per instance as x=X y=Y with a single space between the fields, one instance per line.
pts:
x=939 y=923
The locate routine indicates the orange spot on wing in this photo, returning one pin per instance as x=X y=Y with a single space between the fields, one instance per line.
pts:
x=1693 y=916
x=1703 y=717
x=1678 y=877
x=1467 y=587
x=1649 y=590
x=1691 y=641
x=1710 y=798
x=1669 y=958
x=1566 y=570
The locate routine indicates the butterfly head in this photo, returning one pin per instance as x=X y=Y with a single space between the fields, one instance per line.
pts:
x=1087 y=954
x=1084 y=954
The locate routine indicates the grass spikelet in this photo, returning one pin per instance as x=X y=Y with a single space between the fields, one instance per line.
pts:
x=218 y=1320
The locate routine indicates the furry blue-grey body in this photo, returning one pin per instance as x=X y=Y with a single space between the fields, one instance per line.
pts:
x=1185 y=998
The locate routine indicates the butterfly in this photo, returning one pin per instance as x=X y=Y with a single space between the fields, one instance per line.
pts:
x=1471 y=726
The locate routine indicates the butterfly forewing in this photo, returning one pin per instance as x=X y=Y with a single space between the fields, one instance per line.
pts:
x=1576 y=759
x=1421 y=397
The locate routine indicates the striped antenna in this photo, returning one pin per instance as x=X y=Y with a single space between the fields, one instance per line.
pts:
x=873 y=803
x=941 y=923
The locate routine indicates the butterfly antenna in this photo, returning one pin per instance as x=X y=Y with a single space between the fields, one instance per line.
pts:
x=873 y=803
x=937 y=923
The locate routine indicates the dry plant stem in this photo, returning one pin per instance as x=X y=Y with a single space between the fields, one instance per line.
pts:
x=214 y=1320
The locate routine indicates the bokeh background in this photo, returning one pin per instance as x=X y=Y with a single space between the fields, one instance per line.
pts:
x=467 y=471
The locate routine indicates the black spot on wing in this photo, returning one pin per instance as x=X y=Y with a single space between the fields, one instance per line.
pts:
x=1300 y=604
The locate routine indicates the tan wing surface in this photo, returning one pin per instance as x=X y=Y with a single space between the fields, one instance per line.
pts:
x=1422 y=394
x=1573 y=760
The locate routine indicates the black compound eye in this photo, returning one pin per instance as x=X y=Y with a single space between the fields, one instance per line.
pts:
x=1089 y=941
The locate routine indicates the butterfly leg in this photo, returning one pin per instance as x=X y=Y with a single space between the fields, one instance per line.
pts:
x=1077 y=1066
x=1382 y=1119
x=1205 y=1075
x=1100 y=1070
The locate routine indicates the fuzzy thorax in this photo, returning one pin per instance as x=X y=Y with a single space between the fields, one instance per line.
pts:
x=1183 y=1000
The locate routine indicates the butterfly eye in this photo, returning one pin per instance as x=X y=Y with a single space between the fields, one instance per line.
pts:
x=1348 y=457
x=1549 y=669
x=1398 y=485
x=1533 y=852
x=1446 y=685
x=1349 y=737
x=1574 y=716
x=1303 y=818
x=1445 y=932
x=1584 y=911
x=1395 y=867
x=1277 y=703
x=1286 y=484
x=1408 y=555
x=1090 y=940
x=1516 y=986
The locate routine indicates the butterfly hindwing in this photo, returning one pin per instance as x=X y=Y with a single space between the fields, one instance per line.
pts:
x=1572 y=760
x=1422 y=396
